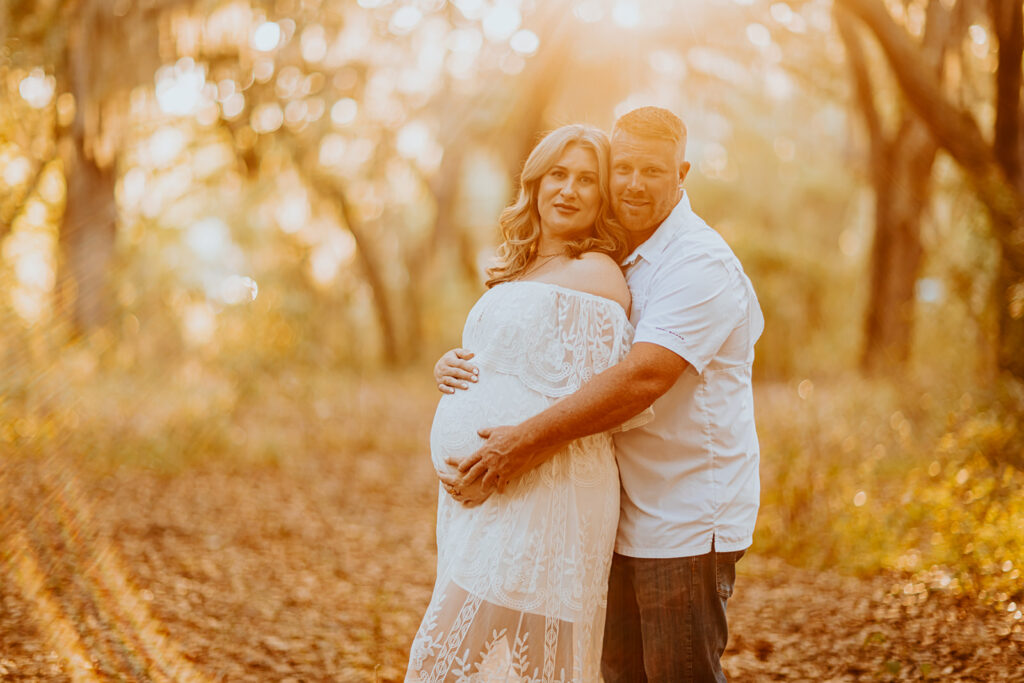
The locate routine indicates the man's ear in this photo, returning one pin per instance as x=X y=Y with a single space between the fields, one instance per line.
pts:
x=684 y=169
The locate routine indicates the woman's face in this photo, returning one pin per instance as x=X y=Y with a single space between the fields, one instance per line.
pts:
x=569 y=196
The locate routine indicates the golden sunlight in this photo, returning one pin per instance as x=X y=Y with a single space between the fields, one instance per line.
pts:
x=240 y=238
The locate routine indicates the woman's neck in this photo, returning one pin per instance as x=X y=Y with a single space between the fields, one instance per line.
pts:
x=550 y=246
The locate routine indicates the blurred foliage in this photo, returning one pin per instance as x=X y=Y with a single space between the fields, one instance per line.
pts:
x=919 y=479
x=348 y=161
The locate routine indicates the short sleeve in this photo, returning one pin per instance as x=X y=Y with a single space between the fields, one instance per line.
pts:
x=693 y=305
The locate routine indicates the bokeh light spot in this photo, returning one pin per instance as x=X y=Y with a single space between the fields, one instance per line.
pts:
x=465 y=40
x=805 y=389
x=313 y=44
x=404 y=20
x=209 y=238
x=471 y=9
x=929 y=290
x=233 y=106
x=501 y=22
x=199 y=323
x=292 y=213
x=267 y=118
x=525 y=42
x=165 y=145
x=759 y=35
x=236 y=289
x=37 y=88
x=332 y=150
x=179 y=88
x=627 y=14
x=17 y=171
x=266 y=37
x=782 y=13
x=344 y=111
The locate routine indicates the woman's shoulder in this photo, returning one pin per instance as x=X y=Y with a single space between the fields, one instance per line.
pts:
x=598 y=273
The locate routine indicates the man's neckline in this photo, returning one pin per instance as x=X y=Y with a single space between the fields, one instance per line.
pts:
x=659 y=238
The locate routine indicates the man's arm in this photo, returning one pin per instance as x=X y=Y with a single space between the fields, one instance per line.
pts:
x=608 y=400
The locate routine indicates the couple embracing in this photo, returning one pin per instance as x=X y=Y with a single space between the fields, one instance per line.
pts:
x=596 y=443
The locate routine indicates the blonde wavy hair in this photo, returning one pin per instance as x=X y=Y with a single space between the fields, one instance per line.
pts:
x=520 y=221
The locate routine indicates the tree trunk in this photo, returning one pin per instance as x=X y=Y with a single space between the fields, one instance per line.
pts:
x=88 y=227
x=332 y=189
x=989 y=167
x=87 y=233
x=1010 y=299
x=1008 y=21
x=901 y=184
x=421 y=261
x=374 y=276
x=900 y=167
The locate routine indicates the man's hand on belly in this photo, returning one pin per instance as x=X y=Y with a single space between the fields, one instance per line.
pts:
x=504 y=455
x=469 y=494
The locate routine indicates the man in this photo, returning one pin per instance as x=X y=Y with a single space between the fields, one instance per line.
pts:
x=690 y=485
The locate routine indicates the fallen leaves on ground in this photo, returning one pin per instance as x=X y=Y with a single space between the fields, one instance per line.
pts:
x=317 y=568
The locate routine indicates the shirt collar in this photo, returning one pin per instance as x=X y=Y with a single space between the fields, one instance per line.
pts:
x=676 y=222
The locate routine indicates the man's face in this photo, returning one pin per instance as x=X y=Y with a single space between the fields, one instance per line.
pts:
x=646 y=182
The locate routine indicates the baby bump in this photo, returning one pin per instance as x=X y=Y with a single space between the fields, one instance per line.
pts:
x=497 y=399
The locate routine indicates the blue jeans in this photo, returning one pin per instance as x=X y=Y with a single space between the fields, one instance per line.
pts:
x=666 y=618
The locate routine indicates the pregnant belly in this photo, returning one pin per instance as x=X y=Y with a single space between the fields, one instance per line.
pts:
x=495 y=400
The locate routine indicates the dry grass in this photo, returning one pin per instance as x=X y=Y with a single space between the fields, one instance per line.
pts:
x=282 y=529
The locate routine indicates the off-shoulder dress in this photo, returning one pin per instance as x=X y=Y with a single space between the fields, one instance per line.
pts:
x=521 y=584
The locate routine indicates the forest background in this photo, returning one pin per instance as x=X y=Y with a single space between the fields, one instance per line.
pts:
x=234 y=231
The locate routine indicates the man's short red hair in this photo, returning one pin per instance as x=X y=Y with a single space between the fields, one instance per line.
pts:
x=652 y=122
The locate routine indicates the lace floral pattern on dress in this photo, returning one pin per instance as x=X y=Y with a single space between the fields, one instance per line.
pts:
x=521 y=581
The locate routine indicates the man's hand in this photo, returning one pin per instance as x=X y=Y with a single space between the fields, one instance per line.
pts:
x=452 y=371
x=504 y=455
x=469 y=494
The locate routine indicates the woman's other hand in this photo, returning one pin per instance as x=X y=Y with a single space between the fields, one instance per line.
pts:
x=453 y=371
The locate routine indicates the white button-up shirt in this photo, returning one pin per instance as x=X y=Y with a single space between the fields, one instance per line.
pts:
x=691 y=474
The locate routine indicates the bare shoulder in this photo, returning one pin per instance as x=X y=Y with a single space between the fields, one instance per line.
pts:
x=599 y=274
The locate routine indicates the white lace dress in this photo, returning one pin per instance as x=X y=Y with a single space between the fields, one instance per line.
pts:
x=522 y=579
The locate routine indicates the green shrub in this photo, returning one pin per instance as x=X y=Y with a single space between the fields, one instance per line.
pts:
x=859 y=476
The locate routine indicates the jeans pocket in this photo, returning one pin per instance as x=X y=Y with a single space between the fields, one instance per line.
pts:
x=725 y=574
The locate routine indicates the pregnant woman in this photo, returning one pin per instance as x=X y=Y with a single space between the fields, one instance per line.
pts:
x=522 y=577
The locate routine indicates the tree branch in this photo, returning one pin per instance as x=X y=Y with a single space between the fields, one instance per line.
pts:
x=331 y=190
x=861 y=78
x=1008 y=21
x=33 y=186
x=953 y=127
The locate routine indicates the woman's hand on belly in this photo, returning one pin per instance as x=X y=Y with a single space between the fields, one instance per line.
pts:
x=453 y=371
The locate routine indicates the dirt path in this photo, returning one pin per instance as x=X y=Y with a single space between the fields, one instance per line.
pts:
x=317 y=569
